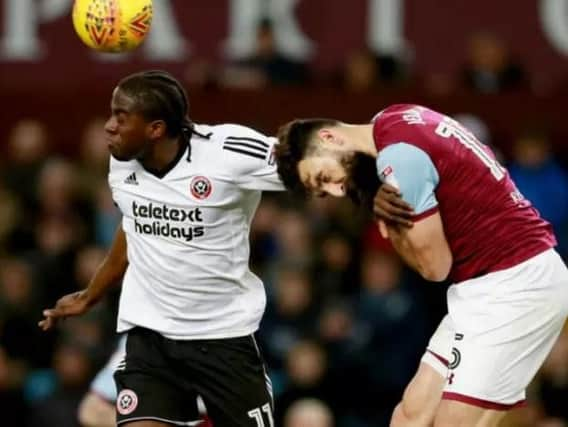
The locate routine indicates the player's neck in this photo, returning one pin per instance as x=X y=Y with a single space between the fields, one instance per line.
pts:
x=361 y=138
x=162 y=154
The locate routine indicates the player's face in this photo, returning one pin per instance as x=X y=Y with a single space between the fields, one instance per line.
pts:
x=325 y=173
x=126 y=130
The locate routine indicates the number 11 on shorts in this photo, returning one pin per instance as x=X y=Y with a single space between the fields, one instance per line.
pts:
x=256 y=413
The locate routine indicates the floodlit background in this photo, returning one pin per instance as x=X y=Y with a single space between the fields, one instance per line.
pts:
x=346 y=323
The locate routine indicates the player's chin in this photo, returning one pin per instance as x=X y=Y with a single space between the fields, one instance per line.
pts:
x=117 y=154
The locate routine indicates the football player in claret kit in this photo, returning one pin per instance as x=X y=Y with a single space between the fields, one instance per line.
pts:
x=469 y=224
x=189 y=302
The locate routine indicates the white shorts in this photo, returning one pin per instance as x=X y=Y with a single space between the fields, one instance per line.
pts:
x=499 y=329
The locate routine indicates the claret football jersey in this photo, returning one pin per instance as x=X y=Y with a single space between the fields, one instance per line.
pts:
x=440 y=166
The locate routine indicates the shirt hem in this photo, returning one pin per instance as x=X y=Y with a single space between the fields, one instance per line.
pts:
x=505 y=265
x=183 y=337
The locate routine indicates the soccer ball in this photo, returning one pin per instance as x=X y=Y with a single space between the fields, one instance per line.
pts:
x=112 y=25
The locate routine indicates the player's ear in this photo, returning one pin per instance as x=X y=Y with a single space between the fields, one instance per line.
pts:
x=156 y=129
x=328 y=136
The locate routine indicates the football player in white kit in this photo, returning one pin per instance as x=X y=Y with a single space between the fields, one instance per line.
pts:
x=189 y=304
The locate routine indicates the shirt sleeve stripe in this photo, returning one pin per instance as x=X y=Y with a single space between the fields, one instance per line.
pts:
x=246 y=153
x=244 y=144
x=245 y=138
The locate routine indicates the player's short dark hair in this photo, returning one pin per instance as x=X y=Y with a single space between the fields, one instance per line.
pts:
x=294 y=142
x=159 y=96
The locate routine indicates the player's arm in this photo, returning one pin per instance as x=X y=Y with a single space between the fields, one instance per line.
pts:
x=108 y=274
x=424 y=246
x=94 y=411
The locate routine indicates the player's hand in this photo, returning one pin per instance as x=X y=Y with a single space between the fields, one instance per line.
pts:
x=73 y=304
x=389 y=206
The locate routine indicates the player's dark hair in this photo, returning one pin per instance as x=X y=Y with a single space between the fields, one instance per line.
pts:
x=294 y=142
x=363 y=182
x=159 y=96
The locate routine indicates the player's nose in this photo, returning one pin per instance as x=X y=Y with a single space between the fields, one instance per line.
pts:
x=110 y=125
x=334 y=189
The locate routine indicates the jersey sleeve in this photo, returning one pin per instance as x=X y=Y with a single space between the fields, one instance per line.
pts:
x=411 y=170
x=257 y=172
x=103 y=384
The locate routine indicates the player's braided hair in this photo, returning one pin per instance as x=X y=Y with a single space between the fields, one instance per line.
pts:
x=159 y=96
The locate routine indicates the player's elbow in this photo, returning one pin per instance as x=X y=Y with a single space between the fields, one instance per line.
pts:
x=435 y=266
x=434 y=274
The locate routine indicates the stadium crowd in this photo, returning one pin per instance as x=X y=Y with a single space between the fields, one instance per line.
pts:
x=346 y=323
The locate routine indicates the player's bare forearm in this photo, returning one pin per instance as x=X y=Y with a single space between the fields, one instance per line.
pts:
x=403 y=246
x=422 y=248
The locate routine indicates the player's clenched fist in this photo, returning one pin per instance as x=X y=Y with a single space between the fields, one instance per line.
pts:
x=389 y=206
x=69 y=305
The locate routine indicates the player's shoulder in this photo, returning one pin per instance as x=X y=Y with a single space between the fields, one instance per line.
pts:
x=410 y=123
x=224 y=130
x=405 y=115
x=240 y=148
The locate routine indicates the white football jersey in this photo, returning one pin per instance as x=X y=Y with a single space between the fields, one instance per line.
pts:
x=187 y=235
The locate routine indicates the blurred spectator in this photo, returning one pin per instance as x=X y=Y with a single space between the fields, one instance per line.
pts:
x=19 y=309
x=393 y=317
x=27 y=150
x=56 y=241
x=334 y=215
x=12 y=405
x=267 y=66
x=541 y=180
x=290 y=315
x=94 y=155
x=364 y=71
x=344 y=340
x=60 y=201
x=56 y=188
x=73 y=370
x=201 y=73
x=490 y=66
x=295 y=238
x=263 y=233
x=334 y=269
x=10 y=215
x=308 y=413
x=306 y=369
x=361 y=72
